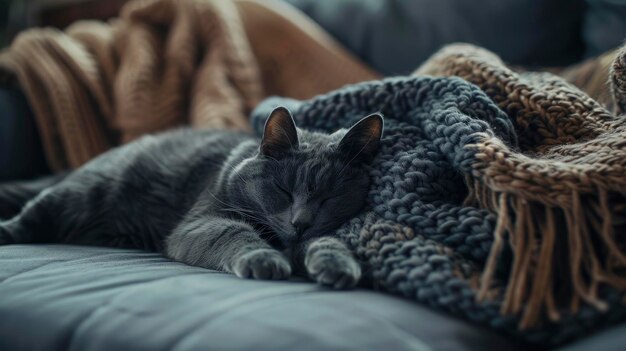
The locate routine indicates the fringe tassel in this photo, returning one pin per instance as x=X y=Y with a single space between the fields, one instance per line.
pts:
x=496 y=248
x=561 y=254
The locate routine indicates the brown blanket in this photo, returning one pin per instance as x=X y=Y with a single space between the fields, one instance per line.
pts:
x=559 y=197
x=164 y=63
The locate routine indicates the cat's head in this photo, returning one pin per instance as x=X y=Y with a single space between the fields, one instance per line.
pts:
x=304 y=184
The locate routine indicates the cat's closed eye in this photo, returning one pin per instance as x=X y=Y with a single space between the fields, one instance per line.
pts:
x=331 y=199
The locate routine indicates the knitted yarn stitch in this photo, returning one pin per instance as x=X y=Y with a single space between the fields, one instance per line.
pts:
x=564 y=188
x=423 y=234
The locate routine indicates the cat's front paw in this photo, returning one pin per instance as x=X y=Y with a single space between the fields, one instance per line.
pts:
x=262 y=264
x=337 y=269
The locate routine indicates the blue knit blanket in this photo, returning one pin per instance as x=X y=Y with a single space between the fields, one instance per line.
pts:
x=418 y=236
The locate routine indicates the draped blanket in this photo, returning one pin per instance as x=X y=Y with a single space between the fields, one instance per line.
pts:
x=165 y=63
x=503 y=205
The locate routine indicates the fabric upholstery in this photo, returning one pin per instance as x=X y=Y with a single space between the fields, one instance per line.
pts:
x=528 y=32
x=57 y=297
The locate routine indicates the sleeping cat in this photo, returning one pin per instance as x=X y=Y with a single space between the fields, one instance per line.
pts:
x=214 y=199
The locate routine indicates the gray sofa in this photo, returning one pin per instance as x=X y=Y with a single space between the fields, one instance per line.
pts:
x=56 y=297
x=59 y=297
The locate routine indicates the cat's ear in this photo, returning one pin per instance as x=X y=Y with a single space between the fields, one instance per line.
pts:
x=280 y=134
x=363 y=139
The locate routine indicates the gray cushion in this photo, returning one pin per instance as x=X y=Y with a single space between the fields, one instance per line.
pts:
x=56 y=297
x=604 y=26
x=612 y=339
x=395 y=36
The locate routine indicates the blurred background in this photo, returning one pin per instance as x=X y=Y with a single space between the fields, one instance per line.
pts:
x=16 y=15
x=393 y=36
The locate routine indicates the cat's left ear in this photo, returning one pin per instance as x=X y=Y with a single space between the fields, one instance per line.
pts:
x=363 y=139
x=280 y=134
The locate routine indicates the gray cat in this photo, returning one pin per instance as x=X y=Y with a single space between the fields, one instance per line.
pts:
x=213 y=199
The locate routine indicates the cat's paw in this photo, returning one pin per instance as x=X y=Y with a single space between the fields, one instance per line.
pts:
x=262 y=264
x=336 y=269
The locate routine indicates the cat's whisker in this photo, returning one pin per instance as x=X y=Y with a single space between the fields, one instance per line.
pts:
x=355 y=156
x=233 y=169
x=221 y=201
x=239 y=209
x=248 y=215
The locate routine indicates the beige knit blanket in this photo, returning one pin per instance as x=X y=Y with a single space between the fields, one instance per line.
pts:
x=164 y=63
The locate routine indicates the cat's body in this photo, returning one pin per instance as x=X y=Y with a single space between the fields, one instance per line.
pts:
x=134 y=196
x=216 y=199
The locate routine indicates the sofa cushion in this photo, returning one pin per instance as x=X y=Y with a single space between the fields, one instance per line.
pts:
x=604 y=26
x=395 y=36
x=57 y=297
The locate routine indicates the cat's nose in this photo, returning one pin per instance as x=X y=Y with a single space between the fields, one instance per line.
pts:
x=302 y=221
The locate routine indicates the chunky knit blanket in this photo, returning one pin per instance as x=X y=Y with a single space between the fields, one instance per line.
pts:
x=500 y=201
x=164 y=63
